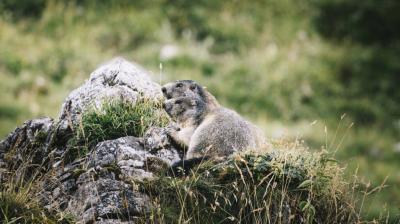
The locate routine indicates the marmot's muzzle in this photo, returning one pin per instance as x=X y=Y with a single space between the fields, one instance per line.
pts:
x=165 y=93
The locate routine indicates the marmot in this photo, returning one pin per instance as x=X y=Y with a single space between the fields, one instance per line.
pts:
x=215 y=132
x=189 y=88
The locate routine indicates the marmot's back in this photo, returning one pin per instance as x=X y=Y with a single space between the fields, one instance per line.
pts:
x=221 y=133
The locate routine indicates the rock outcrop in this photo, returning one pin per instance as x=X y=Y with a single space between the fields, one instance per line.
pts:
x=100 y=185
x=118 y=79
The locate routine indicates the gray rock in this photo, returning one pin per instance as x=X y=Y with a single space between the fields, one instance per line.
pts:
x=117 y=79
x=30 y=132
x=107 y=198
x=115 y=221
x=27 y=144
x=156 y=140
x=101 y=185
x=117 y=154
x=129 y=157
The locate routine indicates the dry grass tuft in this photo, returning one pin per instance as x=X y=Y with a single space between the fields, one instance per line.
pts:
x=284 y=183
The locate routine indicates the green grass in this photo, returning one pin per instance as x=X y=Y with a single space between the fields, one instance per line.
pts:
x=282 y=183
x=115 y=119
x=19 y=201
x=20 y=206
x=268 y=60
x=16 y=208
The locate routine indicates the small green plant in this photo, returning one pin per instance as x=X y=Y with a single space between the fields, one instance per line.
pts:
x=116 y=119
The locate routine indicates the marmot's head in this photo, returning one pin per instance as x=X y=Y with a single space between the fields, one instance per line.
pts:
x=182 y=109
x=183 y=88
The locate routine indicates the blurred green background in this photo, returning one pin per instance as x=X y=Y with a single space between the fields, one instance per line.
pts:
x=325 y=71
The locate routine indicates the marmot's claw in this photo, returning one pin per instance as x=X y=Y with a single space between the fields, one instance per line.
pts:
x=172 y=128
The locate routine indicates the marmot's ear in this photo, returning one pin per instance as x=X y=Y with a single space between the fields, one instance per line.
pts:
x=193 y=102
x=192 y=86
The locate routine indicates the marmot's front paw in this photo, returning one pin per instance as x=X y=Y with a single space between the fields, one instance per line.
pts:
x=172 y=128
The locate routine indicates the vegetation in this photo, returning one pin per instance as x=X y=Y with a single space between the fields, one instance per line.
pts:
x=112 y=120
x=20 y=206
x=285 y=184
x=19 y=202
x=116 y=119
x=284 y=64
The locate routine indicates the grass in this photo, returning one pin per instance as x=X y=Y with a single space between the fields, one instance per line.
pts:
x=362 y=151
x=295 y=74
x=21 y=206
x=285 y=183
x=112 y=120
x=17 y=208
x=116 y=119
x=19 y=201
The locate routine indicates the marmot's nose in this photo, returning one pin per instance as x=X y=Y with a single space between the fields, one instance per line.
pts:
x=164 y=90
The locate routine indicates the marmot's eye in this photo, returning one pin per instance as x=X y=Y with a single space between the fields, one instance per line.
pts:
x=179 y=85
x=193 y=87
x=178 y=102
